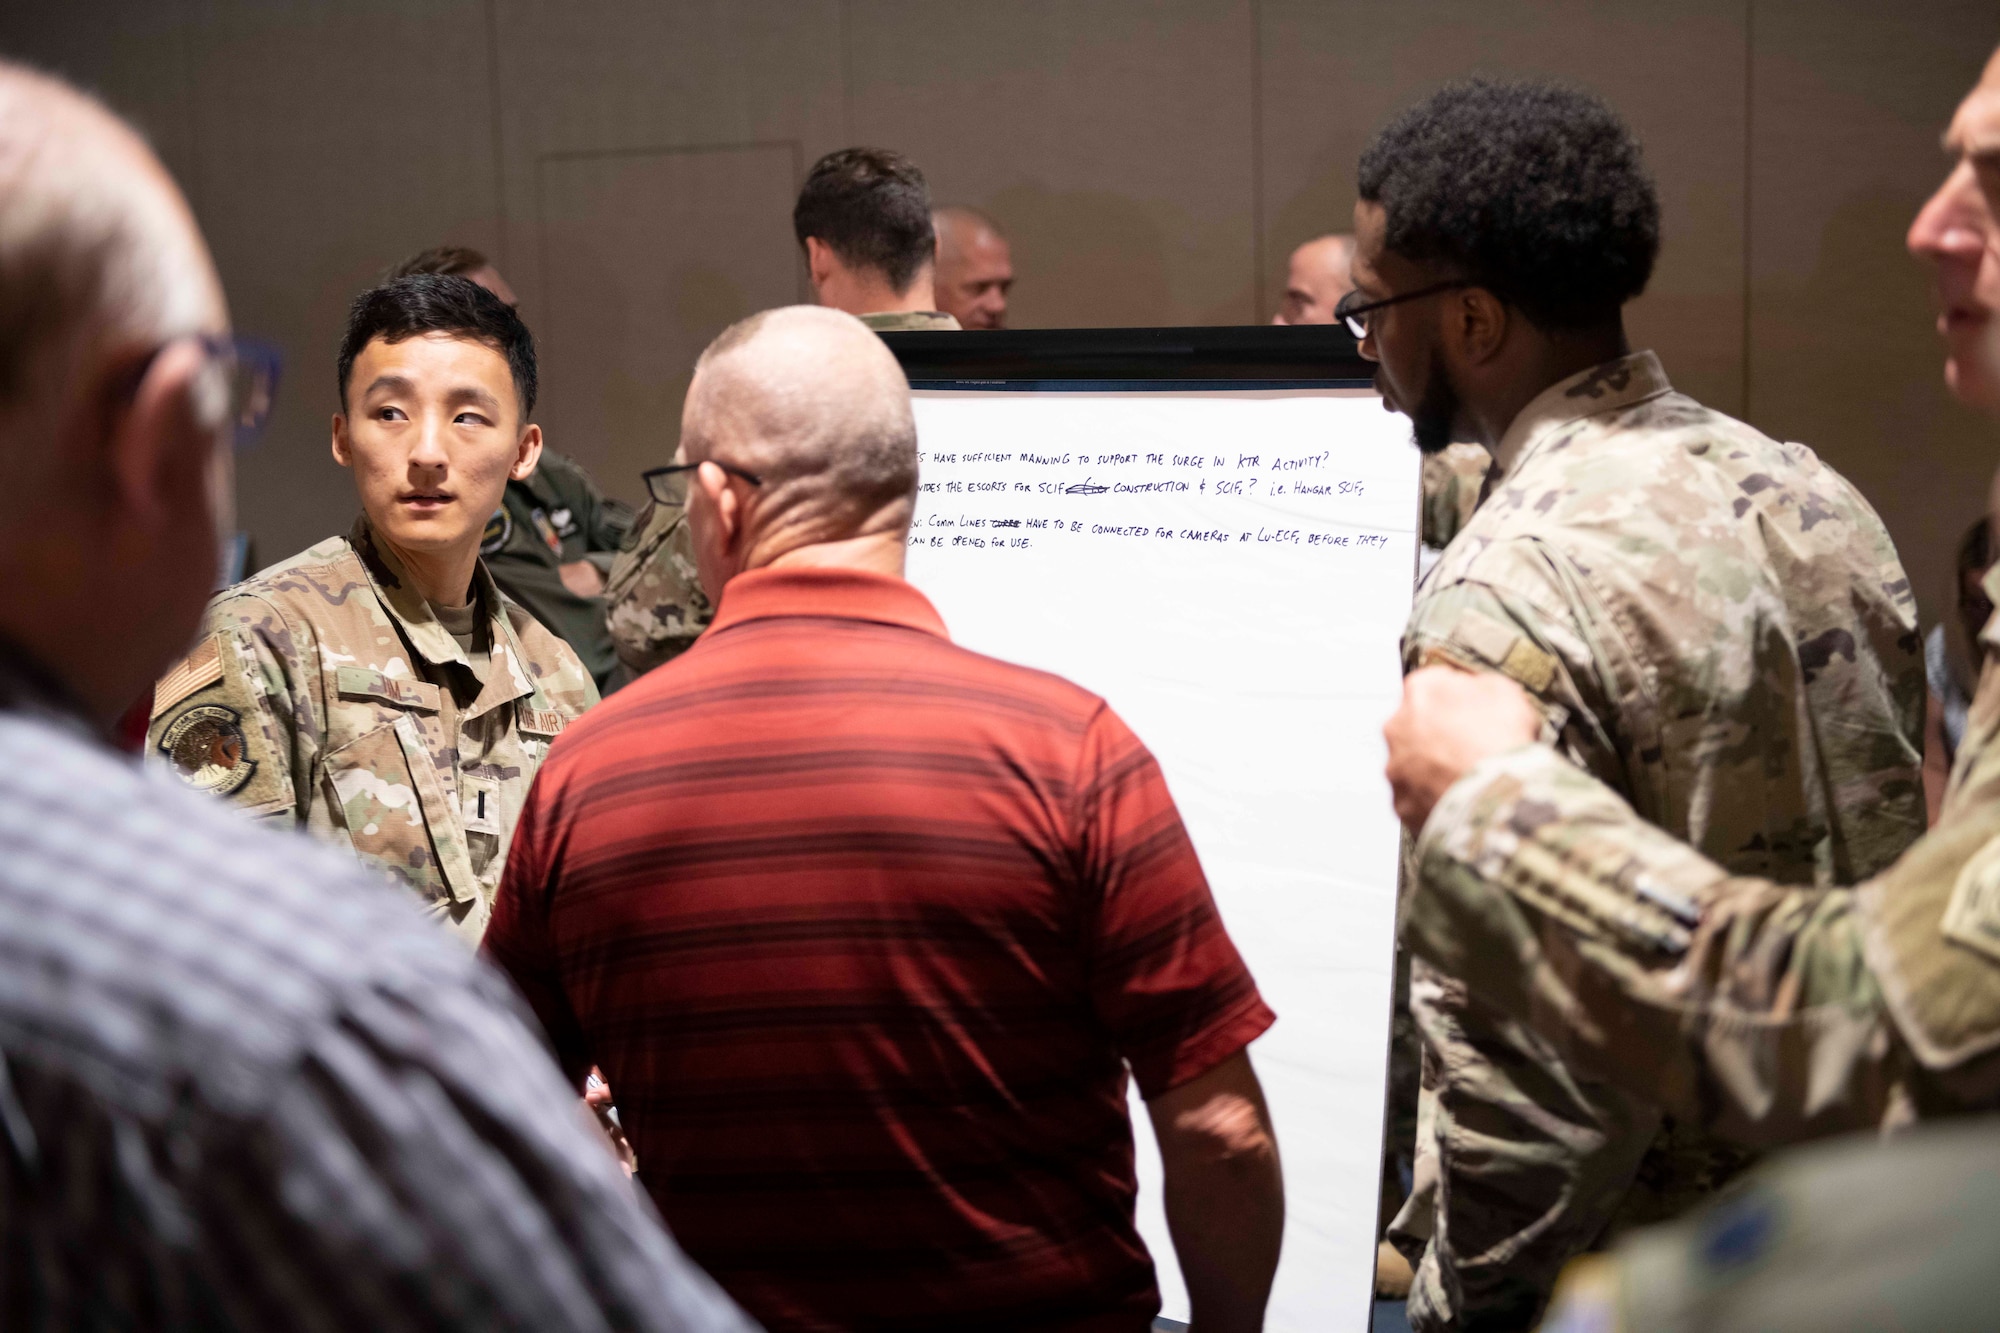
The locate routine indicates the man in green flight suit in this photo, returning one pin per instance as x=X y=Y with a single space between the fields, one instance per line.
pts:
x=551 y=543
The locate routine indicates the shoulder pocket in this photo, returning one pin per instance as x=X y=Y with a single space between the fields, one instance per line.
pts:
x=213 y=728
x=394 y=808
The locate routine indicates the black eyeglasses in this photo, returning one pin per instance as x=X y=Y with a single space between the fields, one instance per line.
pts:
x=245 y=371
x=668 y=485
x=1354 y=313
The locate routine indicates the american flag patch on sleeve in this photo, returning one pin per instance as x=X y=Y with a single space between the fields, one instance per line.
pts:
x=198 y=670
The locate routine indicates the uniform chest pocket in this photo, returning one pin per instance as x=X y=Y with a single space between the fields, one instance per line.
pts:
x=394 y=808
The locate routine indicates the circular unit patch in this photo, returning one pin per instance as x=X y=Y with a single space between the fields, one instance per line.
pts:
x=498 y=529
x=207 y=749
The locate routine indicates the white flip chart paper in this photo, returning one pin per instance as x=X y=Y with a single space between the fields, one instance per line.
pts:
x=1231 y=571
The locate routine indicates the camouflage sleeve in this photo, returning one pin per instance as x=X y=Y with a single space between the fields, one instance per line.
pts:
x=653 y=599
x=1729 y=1001
x=1519 y=612
x=610 y=525
x=227 y=718
x=1453 y=478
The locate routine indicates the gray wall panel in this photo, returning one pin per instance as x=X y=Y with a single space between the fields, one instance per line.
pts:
x=1155 y=163
x=648 y=256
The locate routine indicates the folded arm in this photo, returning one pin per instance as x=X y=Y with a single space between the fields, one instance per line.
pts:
x=1727 y=1000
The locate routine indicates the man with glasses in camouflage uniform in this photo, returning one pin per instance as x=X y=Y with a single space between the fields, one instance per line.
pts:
x=1714 y=623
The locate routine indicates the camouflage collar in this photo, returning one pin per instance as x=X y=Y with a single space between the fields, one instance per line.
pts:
x=1609 y=387
x=911 y=321
x=429 y=639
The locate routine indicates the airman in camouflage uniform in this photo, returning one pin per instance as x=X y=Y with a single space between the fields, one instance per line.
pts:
x=1717 y=626
x=325 y=694
x=655 y=607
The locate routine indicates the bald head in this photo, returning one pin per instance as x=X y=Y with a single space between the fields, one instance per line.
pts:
x=811 y=402
x=1318 y=275
x=97 y=251
x=975 y=267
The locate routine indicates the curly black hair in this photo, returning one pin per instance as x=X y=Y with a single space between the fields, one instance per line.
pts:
x=1533 y=191
x=873 y=207
x=409 y=307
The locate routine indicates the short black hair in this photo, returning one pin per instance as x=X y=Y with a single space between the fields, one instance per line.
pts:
x=453 y=259
x=873 y=208
x=1534 y=191
x=440 y=303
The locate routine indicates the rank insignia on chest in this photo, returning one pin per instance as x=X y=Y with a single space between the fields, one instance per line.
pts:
x=498 y=529
x=547 y=529
x=206 y=746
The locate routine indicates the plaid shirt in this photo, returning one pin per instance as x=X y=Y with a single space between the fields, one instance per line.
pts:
x=245 y=1086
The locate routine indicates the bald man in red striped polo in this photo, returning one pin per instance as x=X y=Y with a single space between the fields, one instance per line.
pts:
x=865 y=929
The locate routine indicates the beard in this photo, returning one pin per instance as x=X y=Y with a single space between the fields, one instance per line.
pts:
x=1437 y=414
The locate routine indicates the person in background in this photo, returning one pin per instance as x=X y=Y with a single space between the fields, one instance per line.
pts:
x=864 y=222
x=242 y=1084
x=1776 y=1013
x=975 y=267
x=551 y=543
x=867 y=929
x=863 y=219
x=378 y=690
x=1713 y=622
x=1953 y=659
x=1319 y=274
x=654 y=606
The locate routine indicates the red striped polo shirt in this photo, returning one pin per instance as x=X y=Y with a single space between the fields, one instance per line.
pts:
x=864 y=929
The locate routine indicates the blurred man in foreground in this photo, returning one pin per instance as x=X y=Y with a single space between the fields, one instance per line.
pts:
x=244 y=1085
x=865 y=928
x=378 y=690
x=975 y=268
x=1777 y=1013
x=1713 y=622
x=551 y=542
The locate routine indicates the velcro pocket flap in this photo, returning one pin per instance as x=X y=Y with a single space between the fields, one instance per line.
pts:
x=361 y=683
x=1507 y=650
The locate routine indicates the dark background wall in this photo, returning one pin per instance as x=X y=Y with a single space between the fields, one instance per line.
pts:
x=631 y=165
